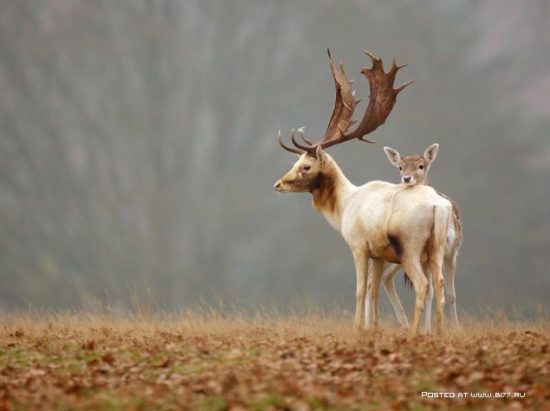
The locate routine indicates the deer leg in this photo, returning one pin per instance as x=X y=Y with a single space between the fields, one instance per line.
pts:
x=436 y=262
x=388 y=278
x=368 y=320
x=429 y=299
x=377 y=269
x=413 y=268
x=361 y=269
x=450 y=267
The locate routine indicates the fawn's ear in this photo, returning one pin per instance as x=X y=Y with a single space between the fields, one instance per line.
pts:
x=431 y=153
x=393 y=156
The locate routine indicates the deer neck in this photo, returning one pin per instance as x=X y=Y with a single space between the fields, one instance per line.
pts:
x=331 y=191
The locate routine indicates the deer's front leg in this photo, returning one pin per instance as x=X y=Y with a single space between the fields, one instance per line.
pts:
x=360 y=258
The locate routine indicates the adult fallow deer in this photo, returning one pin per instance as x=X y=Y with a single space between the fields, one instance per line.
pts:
x=378 y=220
x=413 y=170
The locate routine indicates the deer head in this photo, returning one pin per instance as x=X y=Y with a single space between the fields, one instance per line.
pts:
x=305 y=175
x=413 y=168
x=306 y=172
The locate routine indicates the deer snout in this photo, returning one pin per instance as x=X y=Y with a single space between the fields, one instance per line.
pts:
x=407 y=179
x=277 y=185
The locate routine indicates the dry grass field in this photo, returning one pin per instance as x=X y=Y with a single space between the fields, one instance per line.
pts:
x=266 y=362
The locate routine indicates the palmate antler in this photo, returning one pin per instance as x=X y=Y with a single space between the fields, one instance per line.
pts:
x=381 y=101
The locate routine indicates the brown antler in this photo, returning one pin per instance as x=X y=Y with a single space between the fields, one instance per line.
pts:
x=382 y=95
x=381 y=101
x=344 y=104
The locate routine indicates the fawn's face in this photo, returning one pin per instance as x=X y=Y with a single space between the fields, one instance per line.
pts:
x=414 y=168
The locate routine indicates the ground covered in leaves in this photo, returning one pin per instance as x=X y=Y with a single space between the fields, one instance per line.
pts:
x=307 y=362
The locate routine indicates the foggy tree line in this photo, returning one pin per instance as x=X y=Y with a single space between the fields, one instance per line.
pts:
x=138 y=151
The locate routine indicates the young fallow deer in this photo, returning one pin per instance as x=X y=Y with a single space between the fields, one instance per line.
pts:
x=413 y=170
x=378 y=220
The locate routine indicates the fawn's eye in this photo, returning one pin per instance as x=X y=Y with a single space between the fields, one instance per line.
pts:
x=400 y=168
x=306 y=167
x=421 y=167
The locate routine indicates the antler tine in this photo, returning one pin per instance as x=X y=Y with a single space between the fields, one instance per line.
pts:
x=287 y=148
x=376 y=61
x=309 y=149
x=402 y=87
x=301 y=131
x=395 y=68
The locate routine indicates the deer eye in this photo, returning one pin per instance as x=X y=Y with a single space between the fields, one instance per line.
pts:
x=306 y=167
x=400 y=168
x=421 y=167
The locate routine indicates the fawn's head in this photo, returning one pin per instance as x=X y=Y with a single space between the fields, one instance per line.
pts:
x=413 y=168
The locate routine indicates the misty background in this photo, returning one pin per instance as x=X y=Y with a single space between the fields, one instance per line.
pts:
x=138 y=146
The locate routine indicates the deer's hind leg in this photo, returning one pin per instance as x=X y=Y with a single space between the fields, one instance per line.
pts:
x=449 y=273
x=413 y=268
x=388 y=279
x=429 y=300
x=436 y=263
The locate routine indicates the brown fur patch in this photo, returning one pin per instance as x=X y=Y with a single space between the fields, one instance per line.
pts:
x=407 y=281
x=396 y=245
x=324 y=193
x=413 y=161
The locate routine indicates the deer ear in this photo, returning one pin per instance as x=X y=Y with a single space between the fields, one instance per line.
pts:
x=320 y=154
x=431 y=153
x=393 y=156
